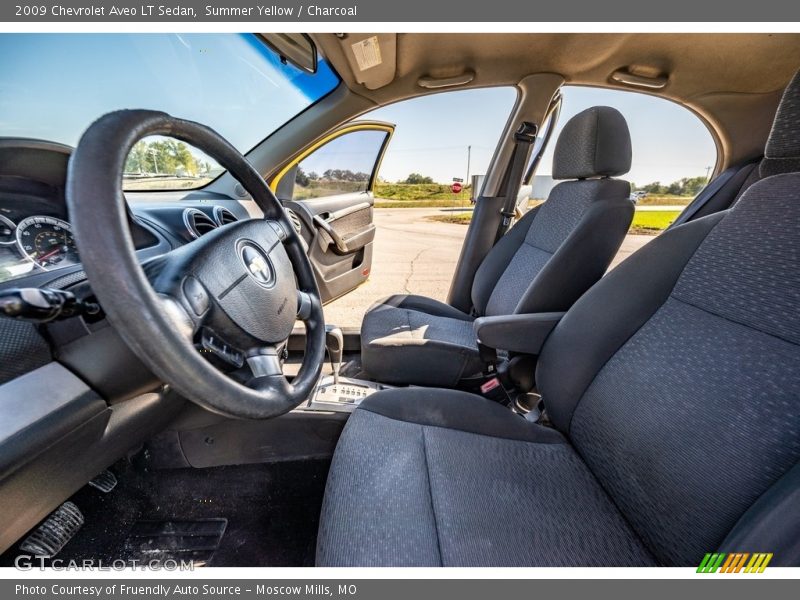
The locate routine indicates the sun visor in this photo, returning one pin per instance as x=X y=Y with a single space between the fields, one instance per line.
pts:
x=372 y=57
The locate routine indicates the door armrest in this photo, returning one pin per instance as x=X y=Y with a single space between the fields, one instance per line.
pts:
x=525 y=334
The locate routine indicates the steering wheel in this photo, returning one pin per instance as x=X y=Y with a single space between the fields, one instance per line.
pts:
x=238 y=289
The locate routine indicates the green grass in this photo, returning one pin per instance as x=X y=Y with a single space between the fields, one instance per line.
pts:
x=422 y=203
x=644 y=222
x=427 y=195
x=420 y=191
x=652 y=222
x=423 y=195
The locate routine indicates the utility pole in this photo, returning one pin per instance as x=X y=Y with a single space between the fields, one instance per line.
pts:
x=467 y=181
x=708 y=172
x=155 y=160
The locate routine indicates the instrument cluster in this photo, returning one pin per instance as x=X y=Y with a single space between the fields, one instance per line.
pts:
x=31 y=243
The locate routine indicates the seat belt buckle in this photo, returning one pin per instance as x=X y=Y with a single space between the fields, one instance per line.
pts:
x=507 y=216
x=493 y=390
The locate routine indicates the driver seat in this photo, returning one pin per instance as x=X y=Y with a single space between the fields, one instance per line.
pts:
x=673 y=389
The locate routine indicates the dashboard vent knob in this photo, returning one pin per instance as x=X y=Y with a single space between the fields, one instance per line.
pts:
x=197 y=222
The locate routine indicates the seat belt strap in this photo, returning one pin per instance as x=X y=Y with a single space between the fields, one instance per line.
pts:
x=512 y=179
x=711 y=190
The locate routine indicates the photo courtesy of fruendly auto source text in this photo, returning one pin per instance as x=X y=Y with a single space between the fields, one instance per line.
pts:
x=367 y=299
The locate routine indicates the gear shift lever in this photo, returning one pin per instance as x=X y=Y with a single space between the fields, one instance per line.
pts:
x=334 y=342
x=339 y=393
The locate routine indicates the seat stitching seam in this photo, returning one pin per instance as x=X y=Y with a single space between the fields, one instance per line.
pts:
x=430 y=494
x=429 y=425
x=734 y=321
x=430 y=342
x=534 y=246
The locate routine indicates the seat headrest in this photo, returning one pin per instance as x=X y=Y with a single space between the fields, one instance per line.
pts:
x=593 y=143
x=782 y=154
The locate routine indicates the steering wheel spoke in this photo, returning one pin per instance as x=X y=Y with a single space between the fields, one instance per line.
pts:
x=305 y=305
x=266 y=361
x=183 y=323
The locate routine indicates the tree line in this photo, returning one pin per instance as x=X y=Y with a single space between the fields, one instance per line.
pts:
x=688 y=186
x=305 y=179
x=164 y=157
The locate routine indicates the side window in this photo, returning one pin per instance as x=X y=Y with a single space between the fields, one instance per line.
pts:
x=441 y=148
x=345 y=165
x=674 y=154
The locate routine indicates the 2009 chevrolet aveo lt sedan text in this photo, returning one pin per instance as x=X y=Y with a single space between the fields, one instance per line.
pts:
x=165 y=254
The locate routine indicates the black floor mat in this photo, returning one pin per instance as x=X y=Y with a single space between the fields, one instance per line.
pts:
x=271 y=511
x=175 y=540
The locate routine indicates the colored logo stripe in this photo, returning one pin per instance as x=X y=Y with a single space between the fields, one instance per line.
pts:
x=734 y=562
x=710 y=563
x=758 y=563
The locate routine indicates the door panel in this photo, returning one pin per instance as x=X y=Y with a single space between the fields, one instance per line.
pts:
x=328 y=187
x=339 y=231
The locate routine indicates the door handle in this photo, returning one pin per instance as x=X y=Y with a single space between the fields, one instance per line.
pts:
x=340 y=244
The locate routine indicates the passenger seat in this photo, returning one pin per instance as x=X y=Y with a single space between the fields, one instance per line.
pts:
x=543 y=264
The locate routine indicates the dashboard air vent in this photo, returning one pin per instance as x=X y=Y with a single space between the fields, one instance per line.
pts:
x=197 y=222
x=223 y=216
x=295 y=220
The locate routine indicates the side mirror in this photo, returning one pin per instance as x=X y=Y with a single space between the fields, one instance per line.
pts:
x=295 y=48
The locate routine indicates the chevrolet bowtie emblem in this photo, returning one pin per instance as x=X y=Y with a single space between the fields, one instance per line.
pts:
x=257 y=263
x=258 y=267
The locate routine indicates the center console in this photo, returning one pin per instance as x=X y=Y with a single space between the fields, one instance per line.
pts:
x=335 y=393
x=341 y=394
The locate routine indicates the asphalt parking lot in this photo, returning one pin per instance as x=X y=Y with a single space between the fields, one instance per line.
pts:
x=414 y=255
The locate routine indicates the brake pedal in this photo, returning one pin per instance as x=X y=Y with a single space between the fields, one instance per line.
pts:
x=105 y=481
x=55 y=532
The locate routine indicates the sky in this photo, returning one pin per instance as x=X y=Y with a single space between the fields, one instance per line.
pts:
x=53 y=86
x=433 y=133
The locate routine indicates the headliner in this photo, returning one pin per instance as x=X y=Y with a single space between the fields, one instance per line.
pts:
x=733 y=81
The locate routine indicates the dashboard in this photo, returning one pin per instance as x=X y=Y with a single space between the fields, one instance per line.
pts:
x=37 y=246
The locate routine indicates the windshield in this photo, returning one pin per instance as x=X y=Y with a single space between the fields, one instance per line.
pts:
x=52 y=86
